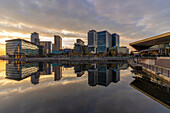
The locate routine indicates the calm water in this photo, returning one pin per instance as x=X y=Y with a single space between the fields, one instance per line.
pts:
x=79 y=88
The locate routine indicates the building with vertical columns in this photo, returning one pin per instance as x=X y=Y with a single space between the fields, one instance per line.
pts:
x=57 y=43
x=35 y=38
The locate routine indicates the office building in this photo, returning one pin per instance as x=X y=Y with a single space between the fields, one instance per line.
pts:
x=18 y=48
x=47 y=47
x=92 y=41
x=115 y=40
x=35 y=38
x=79 y=46
x=57 y=43
x=104 y=41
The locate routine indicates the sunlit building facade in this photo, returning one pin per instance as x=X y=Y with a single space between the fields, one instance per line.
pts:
x=18 y=48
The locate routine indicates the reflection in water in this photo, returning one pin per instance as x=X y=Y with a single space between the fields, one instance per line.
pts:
x=98 y=74
x=57 y=69
x=19 y=71
x=152 y=87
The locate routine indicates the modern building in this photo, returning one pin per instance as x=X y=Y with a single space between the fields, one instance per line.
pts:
x=92 y=41
x=18 y=48
x=79 y=46
x=159 y=44
x=47 y=47
x=104 y=41
x=57 y=43
x=115 y=40
x=35 y=38
x=119 y=51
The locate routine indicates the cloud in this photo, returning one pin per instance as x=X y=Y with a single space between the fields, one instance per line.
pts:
x=132 y=19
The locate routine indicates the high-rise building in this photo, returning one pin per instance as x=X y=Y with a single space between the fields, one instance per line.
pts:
x=92 y=41
x=47 y=47
x=115 y=40
x=57 y=43
x=104 y=41
x=35 y=38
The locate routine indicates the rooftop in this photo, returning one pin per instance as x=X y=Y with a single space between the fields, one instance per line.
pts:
x=20 y=40
x=148 y=42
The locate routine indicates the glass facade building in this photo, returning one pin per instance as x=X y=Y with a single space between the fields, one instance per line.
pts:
x=19 y=48
x=104 y=41
x=115 y=40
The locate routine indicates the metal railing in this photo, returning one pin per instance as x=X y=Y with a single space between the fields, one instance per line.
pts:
x=157 y=69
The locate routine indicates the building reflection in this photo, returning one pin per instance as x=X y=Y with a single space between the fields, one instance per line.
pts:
x=152 y=87
x=104 y=74
x=80 y=69
x=97 y=74
x=35 y=78
x=57 y=69
x=19 y=71
x=45 y=68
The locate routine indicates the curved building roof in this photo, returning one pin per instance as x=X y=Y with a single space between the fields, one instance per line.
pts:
x=146 y=43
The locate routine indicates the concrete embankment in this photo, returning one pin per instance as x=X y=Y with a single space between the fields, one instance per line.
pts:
x=150 y=72
x=76 y=59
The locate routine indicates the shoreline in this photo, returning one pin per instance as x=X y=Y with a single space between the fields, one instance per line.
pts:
x=72 y=59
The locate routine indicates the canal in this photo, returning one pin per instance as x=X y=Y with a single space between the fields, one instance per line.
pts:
x=52 y=87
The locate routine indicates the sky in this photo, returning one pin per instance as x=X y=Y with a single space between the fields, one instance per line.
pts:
x=71 y=19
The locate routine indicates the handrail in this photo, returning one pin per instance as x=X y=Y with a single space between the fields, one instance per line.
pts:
x=157 y=69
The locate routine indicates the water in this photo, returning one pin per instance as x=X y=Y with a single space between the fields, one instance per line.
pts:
x=79 y=88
